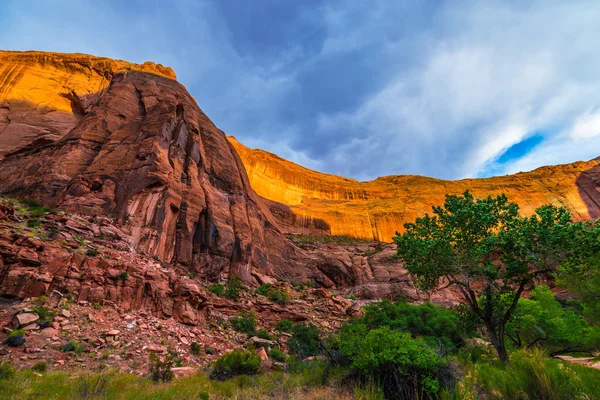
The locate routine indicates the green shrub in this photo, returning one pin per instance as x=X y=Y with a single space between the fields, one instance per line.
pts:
x=217 y=289
x=245 y=322
x=403 y=364
x=278 y=296
x=34 y=223
x=263 y=289
x=40 y=366
x=305 y=340
x=437 y=325
x=16 y=332
x=277 y=354
x=234 y=288
x=284 y=325
x=238 y=362
x=91 y=252
x=123 y=275
x=73 y=346
x=263 y=334
x=7 y=371
x=45 y=314
x=195 y=348
x=203 y=396
x=210 y=350
x=160 y=369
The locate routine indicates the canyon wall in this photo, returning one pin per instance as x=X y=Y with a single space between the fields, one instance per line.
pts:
x=310 y=202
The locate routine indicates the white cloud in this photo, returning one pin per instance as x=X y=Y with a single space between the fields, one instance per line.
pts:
x=586 y=126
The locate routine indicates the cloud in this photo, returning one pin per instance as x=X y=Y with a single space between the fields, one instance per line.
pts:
x=586 y=126
x=362 y=90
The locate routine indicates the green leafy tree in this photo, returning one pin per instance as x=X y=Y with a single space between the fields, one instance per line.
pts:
x=542 y=321
x=583 y=278
x=489 y=253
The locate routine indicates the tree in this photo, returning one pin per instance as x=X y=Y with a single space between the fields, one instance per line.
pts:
x=483 y=248
x=583 y=278
x=542 y=321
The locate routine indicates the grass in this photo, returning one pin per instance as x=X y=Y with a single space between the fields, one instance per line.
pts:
x=531 y=375
x=114 y=385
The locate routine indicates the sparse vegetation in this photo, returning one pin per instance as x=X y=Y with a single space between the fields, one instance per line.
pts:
x=161 y=368
x=245 y=322
x=195 y=348
x=237 y=362
x=217 y=289
x=234 y=288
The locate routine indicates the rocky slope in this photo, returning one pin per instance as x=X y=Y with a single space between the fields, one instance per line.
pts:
x=309 y=202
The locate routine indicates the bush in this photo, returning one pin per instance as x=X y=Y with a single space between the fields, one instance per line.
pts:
x=437 y=325
x=284 y=325
x=91 y=252
x=217 y=289
x=238 y=362
x=234 y=288
x=15 y=338
x=123 y=275
x=263 y=334
x=264 y=289
x=277 y=354
x=245 y=322
x=34 y=223
x=210 y=351
x=160 y=370
x=403 y=365
x=73 y=346
x=40 y=366
x=45 y=314
x=195 y=349
x=305 y=340
x=278 y=296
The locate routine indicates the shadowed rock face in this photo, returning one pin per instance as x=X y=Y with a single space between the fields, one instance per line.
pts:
x=141 y=150
x=314 y=203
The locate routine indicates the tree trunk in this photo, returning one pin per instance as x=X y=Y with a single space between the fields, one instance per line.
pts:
x=497 y=339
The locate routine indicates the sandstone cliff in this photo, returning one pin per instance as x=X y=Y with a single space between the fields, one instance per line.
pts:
x=99 y=136
x=309 y=202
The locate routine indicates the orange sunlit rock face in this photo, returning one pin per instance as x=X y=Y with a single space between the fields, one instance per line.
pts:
x=44 y=95
x=317 y=203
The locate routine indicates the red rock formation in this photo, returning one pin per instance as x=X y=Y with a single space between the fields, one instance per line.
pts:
x=142 y=150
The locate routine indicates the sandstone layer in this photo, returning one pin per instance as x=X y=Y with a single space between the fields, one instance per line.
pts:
x=310 y=202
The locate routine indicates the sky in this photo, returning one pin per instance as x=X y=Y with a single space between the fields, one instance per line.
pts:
x=449 y=89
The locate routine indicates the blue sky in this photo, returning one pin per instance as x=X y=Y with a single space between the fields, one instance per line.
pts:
x=449 y=89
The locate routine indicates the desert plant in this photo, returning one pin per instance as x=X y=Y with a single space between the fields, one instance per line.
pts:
x=237 y=362
x=91 y=252
x=217 y=289
x=40 y=366
x=284 y=325
x=305 y=340
x=195 y=348
x=233 y=288
x=245 y=322
x=277 y=354
x=160 y=369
